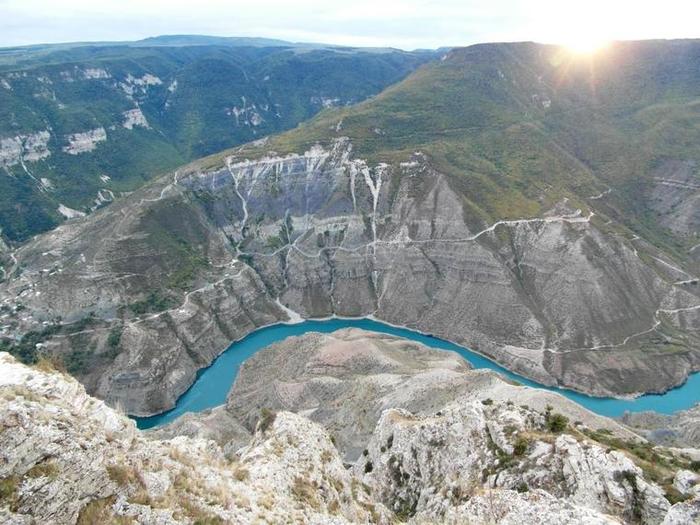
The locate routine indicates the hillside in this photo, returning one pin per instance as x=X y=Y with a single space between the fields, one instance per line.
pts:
x=83 y=124
x=532 y=205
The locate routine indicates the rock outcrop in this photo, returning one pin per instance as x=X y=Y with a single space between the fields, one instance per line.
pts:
x=68 y=457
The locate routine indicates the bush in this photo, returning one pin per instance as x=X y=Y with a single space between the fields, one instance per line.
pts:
x=557 y=422
x=522 y=487
x=115 y=336
x=520 y=446
x=487 y=402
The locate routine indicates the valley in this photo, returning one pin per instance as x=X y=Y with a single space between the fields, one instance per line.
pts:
x=542 y=265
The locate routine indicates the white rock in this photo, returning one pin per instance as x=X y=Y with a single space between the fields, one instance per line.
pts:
x=86 y=141
x=687 y=482
x=134 y=118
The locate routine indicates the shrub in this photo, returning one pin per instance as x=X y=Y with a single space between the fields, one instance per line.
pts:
x=556 y=422
x=115 y=336
x=520 y=446
x=487 y=401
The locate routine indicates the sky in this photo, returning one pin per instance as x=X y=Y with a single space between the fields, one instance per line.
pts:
x=407 y=24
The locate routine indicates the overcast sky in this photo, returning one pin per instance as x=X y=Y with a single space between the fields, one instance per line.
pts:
x=406 y=24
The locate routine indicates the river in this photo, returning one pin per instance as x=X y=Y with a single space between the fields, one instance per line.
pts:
x=214 y=382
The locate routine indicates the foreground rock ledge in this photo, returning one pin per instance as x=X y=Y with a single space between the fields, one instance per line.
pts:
x=67 y=457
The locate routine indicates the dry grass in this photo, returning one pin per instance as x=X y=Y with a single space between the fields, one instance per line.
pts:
x=304 y=491
x=47 y=469
x=122 y=475
x=12 y=392
x=267 y=501
x=8 y=491
x=50 y=364
x=241 y=473
x=99 y=512
x=197 y=514
x=179 y=456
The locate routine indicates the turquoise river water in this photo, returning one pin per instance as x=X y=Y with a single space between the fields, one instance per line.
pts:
x=214 y=382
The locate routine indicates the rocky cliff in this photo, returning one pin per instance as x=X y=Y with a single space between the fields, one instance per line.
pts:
x=67 y=457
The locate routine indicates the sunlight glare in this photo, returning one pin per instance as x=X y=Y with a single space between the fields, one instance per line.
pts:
x=585 y=46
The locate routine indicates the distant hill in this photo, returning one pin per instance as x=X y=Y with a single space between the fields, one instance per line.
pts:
x=81 y=124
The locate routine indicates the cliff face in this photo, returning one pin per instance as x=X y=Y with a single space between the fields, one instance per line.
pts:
x=67 y=457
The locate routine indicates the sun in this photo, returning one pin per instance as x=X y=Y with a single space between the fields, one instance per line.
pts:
x=585 y=44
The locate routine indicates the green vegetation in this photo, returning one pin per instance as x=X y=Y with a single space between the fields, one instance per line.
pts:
x=115 y=336
x=154 y=302
x=521 y=445
x=189 y=110
x=557 y=423
x=78 y=361
x=25 y=350
x=554 y=421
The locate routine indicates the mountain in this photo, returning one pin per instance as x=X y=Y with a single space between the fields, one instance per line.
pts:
x=480 y=454
x=536 y=206
x=82 y=124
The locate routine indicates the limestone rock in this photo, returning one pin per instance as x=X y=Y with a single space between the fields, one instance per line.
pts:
x=66 y=455
x=687 y=483
x=684 y=513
